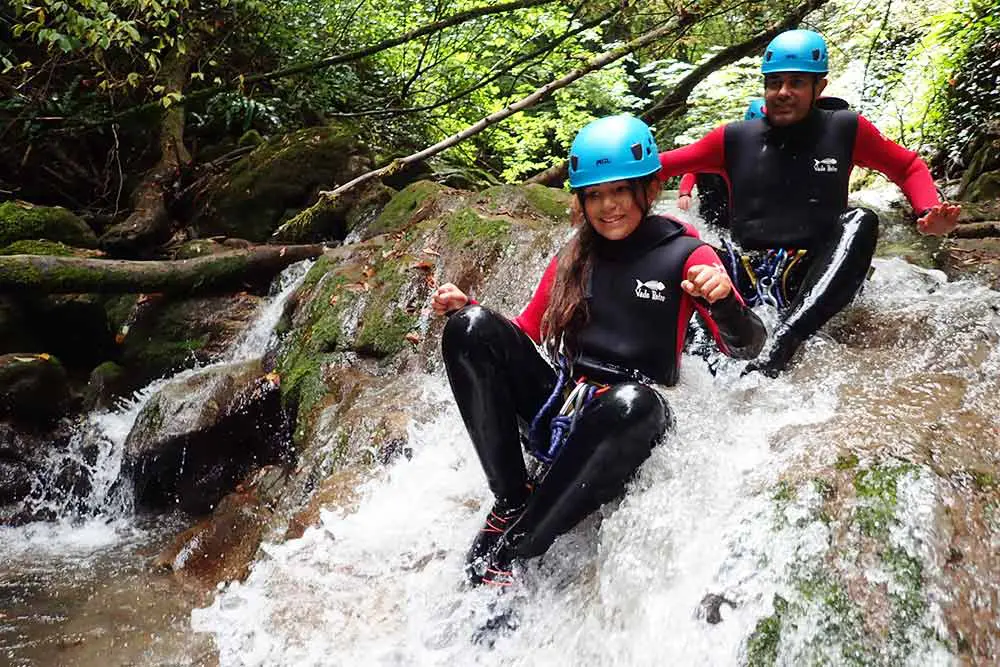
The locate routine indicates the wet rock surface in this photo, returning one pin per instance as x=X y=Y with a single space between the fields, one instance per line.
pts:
x=199 y=436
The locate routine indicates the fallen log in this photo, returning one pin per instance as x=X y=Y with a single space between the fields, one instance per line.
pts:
x=977 y=230
x=76 y=275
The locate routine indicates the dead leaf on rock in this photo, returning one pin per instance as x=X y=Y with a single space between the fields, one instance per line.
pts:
x=422 y=266
x=431 y=251
x=413 y=337
x=334 y=298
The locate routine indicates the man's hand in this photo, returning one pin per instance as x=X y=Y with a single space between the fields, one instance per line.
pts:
x=939 y=220
x=684 y=202
x=711 y=283
x=448 y=298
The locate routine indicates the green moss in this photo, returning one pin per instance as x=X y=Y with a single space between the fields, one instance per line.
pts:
x=37 y=247
x=984 y=481
x=784 y=492
x=846 y=461
x=383 y=337
x=279 y=175
x=198 y=248
x=550 y=202
x=762 y=646
x=250 y=138
x=466 y=227
x=876 y=492
x=403 y=205
x=907 y=594
x=22 y=221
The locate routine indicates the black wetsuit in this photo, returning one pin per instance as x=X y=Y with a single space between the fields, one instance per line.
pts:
x=500 y=383
x=789 y=188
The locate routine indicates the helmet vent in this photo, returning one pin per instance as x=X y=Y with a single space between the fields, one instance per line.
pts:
x=768 y=56
x=574 y=162
x=816 y=54
x=637 y=151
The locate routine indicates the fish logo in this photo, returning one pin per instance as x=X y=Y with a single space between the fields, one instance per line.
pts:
x=650 y=289
x=825 y=165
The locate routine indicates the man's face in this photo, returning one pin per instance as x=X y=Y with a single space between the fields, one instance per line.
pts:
x=789 y=96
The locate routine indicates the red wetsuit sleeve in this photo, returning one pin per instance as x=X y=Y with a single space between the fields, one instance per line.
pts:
x=903 y=167
x=708 y=154
x=702 y=255
x=530 y=319
x=686 y=186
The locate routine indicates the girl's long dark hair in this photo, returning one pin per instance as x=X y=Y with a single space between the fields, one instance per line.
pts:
x=567 y=311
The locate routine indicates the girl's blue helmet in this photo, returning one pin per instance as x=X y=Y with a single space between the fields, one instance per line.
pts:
x=613 y=148
x=796 y=51
x=755 y=110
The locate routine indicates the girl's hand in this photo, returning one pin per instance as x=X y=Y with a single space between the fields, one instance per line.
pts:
x=710 y=283
x=447 y=298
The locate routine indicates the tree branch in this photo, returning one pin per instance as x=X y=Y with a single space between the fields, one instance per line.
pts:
x=675 y=102
x=491 y=77
x=592 y=65
x=456 y=19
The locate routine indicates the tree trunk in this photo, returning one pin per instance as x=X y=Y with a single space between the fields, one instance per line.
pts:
x=214 y=273
x=149 y=223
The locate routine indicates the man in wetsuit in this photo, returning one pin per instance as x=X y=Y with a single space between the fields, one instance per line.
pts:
x=788 y=175
x=713 y=190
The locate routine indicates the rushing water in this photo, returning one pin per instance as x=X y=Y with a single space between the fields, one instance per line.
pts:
x=381 y=583
x=78 y=591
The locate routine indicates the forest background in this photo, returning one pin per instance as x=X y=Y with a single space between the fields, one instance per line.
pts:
x=109 y=107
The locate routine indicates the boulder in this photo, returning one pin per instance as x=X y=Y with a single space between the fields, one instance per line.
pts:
x=34 y=388
x=21 y=221
x=157 y=336
x=222 y=547
x=199 y=435
x=278 y=179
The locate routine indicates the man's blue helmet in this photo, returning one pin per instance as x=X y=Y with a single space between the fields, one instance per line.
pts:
x=613 y=148
x=796 y=51
x=755 y=110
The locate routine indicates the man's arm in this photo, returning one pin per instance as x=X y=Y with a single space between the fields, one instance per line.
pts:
x=708 y=154
x=872 y=150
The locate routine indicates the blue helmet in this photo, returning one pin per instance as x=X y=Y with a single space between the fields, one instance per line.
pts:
x=755 y=110
x=796 y=51
x=613 y=148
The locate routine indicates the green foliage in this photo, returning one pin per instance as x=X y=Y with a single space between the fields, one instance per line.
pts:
x=969 y=103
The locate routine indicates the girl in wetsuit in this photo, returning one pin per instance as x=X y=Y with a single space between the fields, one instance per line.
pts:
x=611 y=309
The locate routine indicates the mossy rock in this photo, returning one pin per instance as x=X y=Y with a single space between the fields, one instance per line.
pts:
x=165 y=336
x=21 y=221
x=402 y=208
x=528 y=201
x=985 y=161
x=253 y=197
x=986 y=187
x=107 y=382
x=34 y=388
x=38 y=247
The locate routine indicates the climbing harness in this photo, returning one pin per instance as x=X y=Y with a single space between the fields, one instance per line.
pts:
x=768 y=271
x=574 y=399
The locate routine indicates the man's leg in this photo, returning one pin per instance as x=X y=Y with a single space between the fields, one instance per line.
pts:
x=835 y=275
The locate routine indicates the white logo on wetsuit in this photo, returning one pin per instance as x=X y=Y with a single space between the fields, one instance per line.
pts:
x=827 y=164
x=651 y=289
